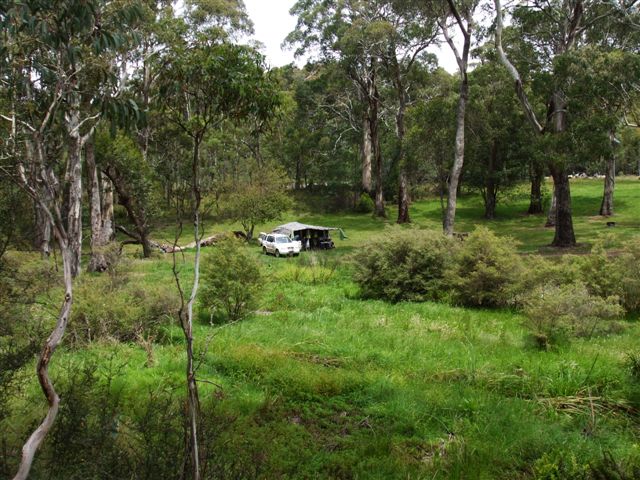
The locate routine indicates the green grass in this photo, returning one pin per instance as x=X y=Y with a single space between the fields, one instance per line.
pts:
x=323 y=384
x=511 y=219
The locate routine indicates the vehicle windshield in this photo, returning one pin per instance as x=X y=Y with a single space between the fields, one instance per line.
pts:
x=282 y=240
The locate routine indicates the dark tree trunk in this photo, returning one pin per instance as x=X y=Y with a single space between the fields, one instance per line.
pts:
x=564 y=234
x=379 y=210
x=135 y=213
x=606 y=208
x=536 y=174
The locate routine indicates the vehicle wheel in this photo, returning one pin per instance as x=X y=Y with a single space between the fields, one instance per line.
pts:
x=277 y=252
x=264 y=250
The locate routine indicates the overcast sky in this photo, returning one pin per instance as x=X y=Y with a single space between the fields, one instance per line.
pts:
x=272 y=23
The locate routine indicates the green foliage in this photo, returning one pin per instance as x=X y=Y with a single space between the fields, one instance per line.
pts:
x=563 y=466
x=616 y=274
x=404 y=265
x=484 y=270
x=555 y=313
x=231 y=280
x=111 y=308
x=260 y=199
x=365 y=204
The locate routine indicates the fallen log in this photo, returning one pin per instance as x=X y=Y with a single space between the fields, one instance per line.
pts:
x=168 y=247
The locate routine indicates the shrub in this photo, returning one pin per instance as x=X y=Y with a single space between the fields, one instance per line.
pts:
x=365 y=204
x=554 y=313
x=404 y=265
x=485 y=270
x=122 y=312
x=628 y=262
x=230 y=277
x=538 y=271
x=609 y=275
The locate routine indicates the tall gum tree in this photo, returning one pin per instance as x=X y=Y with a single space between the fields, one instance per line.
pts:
x=409 y=29
x=558 y=28
x=51 y=52
x=348 y=32
x=459 y=16
x=203 y=84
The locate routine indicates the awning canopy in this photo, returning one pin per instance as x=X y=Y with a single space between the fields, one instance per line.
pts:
x=293 y=227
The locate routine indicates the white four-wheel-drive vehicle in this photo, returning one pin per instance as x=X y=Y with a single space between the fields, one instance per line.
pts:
x=261 y=238
x=279 y=244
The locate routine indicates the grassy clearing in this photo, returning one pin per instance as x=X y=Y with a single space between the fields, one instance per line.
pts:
x=322 y=384
x=511 y=219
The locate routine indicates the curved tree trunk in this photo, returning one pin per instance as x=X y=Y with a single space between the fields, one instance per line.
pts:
x=135 y=213
x=458 y=161
x=42 y=369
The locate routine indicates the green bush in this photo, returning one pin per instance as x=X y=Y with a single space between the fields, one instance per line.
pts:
x=404 y=265
x=616 y=274
x=628 y=262
x=124 y=312
x=485 y=270
x=365 y=204
x=555 y=313
x=538 y=271
x=231 y=280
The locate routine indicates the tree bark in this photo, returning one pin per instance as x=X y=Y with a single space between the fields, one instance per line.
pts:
x=379 y=210
x=564 y=235
x=536 y=175
x=551 y=214
x=136 y=214
x=458 y=161
x=606 y=208
x=42 y=368
x=463 y=63
x=100 y=238
x=42 y=227
x=73 y=181
x=193 y=400
x=107 y=207
x=366 y=152
x=403 y=184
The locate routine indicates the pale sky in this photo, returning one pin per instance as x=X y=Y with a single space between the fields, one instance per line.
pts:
x=272 y=23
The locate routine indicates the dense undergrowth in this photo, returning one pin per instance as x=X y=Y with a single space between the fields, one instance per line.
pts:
x=319 y=382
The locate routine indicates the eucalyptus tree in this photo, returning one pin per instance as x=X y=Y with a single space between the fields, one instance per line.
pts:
x=556 y=29
x=204 y=82
x=57 y=73
x=349 y=31
x=458 y=16
x=498 y=147
x=408 y=29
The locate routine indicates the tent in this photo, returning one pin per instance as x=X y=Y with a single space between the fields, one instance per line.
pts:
x=311 y=236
